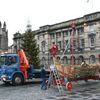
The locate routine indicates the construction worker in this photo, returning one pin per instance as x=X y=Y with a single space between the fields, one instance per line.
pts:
x=84 y=64
x=43 y=77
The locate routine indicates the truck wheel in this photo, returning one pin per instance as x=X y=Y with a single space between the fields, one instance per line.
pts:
x=17 y=80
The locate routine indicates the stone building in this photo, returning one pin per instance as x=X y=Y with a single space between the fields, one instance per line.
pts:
x=86 y=40
x=17 y=39
x=3 y=38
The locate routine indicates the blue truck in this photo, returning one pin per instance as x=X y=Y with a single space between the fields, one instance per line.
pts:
x=14 y=69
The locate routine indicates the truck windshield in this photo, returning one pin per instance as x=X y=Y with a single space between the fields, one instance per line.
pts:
x=7 y=60
x=2 y=60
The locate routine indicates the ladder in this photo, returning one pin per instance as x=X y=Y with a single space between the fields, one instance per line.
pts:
x=57 y=80
x=56 y=76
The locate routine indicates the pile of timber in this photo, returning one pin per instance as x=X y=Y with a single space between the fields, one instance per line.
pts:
x=77 y=71
x=86 y=70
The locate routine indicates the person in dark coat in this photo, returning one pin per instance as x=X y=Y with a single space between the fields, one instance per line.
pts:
x=43 y=77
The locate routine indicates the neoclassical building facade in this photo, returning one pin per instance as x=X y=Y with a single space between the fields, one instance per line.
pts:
x=86 y=40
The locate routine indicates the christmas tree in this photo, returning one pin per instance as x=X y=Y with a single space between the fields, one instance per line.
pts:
x=30 y=47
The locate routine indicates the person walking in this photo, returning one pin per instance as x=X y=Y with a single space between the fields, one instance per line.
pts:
x=43 y=77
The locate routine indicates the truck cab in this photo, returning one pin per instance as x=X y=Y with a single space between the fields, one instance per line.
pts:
x=13 y=70
x=10 y=69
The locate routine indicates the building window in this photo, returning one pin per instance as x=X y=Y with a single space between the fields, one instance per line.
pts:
x=43 y=36
x=82 y=43
x=66 y=42
x=58 y=35
x=43 y=44
x=92 y=41
x=91 y=27
x=80 y=30
x=81 y=59
x=66 y=46
x=65 y=33
x=52 y=36
x=72 y=60
x=65 y=60
x=92 y=59
x=59 y=45
x=70 y=31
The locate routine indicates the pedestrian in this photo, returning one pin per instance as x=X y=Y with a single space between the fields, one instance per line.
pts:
x=43 y=77
x=84 y=64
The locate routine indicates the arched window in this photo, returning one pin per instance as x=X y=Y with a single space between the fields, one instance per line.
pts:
x=92 y=59
x=81 y=59
x=58 y=58
x=65 y=60
x=72 y=60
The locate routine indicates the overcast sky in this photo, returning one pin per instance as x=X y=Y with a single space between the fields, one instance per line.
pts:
x=16 y=13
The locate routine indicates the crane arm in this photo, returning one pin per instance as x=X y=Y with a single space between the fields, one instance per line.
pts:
x=24 y=64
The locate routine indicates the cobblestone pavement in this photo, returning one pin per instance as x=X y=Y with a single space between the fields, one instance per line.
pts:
x=32 y=91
